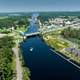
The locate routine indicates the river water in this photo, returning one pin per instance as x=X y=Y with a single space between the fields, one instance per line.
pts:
x=45 y=64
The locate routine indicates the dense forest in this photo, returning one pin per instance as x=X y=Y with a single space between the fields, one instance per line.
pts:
x=71 y=33
x=6 y=55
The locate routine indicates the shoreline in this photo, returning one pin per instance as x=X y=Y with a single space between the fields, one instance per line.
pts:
x=69 y=60
x=73 y=62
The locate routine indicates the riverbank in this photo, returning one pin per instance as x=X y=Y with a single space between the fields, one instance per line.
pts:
x=67 y=59
x=59 y=45
x=23 y=72
x=19 y=75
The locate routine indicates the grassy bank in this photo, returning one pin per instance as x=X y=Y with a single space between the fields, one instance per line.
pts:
x=59 y=45
x=25 y=70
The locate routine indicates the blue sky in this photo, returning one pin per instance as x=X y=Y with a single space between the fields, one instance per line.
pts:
x=39 y=5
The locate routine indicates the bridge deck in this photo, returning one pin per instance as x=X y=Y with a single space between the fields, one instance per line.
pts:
x=31 y=34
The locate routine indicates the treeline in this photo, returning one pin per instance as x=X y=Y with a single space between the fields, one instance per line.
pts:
x=14 y=21
x=71 y=33
x=6 y=55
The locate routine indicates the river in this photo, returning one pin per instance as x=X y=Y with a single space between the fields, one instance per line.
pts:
x=45 y=64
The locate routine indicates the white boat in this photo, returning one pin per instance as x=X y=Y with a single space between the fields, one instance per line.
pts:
x=31 y=49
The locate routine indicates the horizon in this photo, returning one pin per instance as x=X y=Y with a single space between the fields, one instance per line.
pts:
x=39 y=6
x=36 y=11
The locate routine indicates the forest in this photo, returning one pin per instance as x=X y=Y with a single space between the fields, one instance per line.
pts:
x=6 y=55
x=72 y=34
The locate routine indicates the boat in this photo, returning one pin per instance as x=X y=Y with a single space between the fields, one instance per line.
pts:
x=31 y=49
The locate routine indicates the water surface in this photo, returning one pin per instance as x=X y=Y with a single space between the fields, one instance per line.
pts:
x=46 y=65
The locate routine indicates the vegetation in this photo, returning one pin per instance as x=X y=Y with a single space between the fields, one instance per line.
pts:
x=26 y=71
x=53 y=41
x=16 y=22
x=5 y=31
x=71 y=33
x=59 y=44
x=6 y=58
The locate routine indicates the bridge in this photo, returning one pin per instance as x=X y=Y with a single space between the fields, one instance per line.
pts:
x=39 y=32
x=32 y=34
x=33 y=28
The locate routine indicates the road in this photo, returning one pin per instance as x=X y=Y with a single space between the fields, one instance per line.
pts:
x=18 y=63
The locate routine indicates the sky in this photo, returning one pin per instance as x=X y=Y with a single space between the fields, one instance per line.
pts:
x=39 y=5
